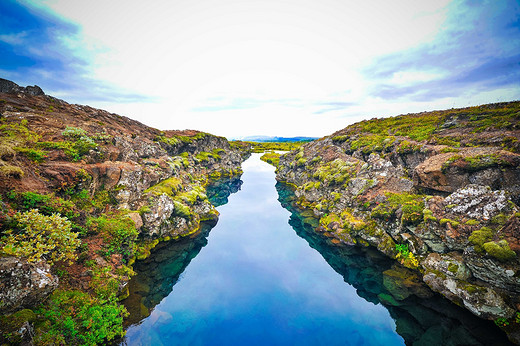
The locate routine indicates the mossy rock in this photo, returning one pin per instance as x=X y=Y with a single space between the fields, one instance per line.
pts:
x=499 y=250
x=479 y=237
x=387 y=299
x=11 y=326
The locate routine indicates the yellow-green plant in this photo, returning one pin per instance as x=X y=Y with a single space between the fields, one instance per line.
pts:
x=40 y=237
x=405 y=256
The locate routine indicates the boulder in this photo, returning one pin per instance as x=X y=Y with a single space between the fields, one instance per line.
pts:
x=484 y=302
x=24 y=284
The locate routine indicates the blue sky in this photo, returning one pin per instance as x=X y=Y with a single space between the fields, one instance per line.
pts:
x=264 y=67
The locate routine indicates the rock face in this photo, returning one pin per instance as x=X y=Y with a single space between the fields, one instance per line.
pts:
x=124 y=187
x=23 y=284
x=6 y=86
x=437 y=191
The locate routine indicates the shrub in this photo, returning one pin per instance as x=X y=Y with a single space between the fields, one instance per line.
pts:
x=406 y=257
x=75 y=318
x=40 y=237
x=119 y=233
x=74 y=132
x=34 y=155
x=46 y=204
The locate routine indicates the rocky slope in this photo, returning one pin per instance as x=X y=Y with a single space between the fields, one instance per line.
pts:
x=437 y=191
x=106 y=189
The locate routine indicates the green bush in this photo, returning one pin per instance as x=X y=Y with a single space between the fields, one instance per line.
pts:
x=74 y=132
x=46 y=204
x=75 y=318
x=34 y=155
x=119 y=233
x=40 y=237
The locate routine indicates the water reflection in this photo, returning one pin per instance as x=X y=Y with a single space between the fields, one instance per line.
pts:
x=219 y=190
x=421 y=317
x=157 y=274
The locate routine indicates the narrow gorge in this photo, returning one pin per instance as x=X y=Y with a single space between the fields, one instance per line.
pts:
x=412 y=222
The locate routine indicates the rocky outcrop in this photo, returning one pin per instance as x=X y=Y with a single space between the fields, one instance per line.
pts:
x=122 y=185
x=6 y=86
x=436 y=191
x=447 y=172
x=24 y=284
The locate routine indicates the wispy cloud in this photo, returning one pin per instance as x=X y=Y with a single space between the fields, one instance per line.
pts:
x=326 y=107
x=34 y=49
x=477 y=51
x=305 y=67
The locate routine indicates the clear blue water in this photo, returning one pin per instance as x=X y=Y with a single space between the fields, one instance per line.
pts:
x=255 y=280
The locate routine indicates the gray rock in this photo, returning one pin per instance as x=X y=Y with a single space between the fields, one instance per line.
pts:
x=483 y=302
x=503 y=275
x=451 y=264
x=6 y=86
x=478 y=202
x=24 y=284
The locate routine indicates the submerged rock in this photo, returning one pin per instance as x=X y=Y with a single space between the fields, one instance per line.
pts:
x=436 y=191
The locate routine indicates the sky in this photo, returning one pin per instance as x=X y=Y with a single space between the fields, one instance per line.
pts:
x=264 y=67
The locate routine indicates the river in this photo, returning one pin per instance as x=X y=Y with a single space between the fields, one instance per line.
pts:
x=262 y=277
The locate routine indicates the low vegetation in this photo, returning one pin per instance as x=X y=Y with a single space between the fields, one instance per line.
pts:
x=260 y=147
x=271 y=157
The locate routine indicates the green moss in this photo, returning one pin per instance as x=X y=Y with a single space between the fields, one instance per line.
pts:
x=412 y=207
x=480 y=162
x=500 y=219
x=418 y=127
x=428 y=215
x=308 y=186
x=339 y=139
x=372 y=142
x=260 y=147
x=500 y=250
x=336 y=172
x=169 y=187
x=452 y=267
x=182 y=210
x=32 y=154
x=11 y=325
x=472 y=222
x=406 y=147
x=449 y=161
x=479 y=237
x=271 y=158
x=453 y=223
x=197 y=193
x=204 y=156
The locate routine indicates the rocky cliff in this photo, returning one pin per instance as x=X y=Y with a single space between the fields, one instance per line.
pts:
x=437 y=191
x=85 y=192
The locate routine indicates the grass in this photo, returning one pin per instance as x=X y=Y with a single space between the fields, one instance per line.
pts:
x=260 y=147
x=271 y=158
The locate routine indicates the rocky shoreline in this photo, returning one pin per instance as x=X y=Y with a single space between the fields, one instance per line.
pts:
x=436 y=191
x=115 y=187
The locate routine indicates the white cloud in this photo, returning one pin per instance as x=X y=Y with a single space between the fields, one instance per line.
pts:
x=250 y=67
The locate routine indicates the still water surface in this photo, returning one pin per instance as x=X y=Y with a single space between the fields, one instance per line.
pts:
x=256 y=281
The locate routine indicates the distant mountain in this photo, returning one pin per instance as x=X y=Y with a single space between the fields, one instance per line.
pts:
x=275 y=139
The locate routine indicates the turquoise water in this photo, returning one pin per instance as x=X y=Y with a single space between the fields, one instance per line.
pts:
x=261 y=278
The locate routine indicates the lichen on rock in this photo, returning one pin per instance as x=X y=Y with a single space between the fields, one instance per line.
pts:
x=440 y=183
